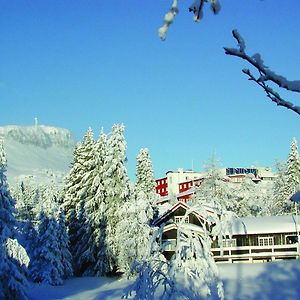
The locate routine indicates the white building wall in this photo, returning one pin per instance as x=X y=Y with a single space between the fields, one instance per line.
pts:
x=176 y=177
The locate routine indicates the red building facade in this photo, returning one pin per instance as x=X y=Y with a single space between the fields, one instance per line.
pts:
x=162 y=186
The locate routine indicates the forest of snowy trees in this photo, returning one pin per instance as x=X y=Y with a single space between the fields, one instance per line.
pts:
x=101 y=224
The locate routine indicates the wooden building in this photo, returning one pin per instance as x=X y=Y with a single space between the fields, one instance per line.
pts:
x=254 y=239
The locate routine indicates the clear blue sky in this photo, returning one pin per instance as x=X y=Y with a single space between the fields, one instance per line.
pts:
x=81 y=63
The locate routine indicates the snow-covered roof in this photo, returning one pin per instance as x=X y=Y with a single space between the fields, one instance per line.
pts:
x=168 y=209
x=264 y=225
x=162 y=208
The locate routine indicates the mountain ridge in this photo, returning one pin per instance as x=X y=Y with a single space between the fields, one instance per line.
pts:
x=39 y=153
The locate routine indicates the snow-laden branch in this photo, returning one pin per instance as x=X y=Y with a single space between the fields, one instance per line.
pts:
x=196 y=8
x=168 y=20
x=265 y=74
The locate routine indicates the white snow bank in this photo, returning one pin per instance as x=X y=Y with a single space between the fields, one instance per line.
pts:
x=85 y=288
x=263 y=281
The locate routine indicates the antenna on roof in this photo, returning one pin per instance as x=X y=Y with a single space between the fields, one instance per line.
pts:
x=36 y=121
x=192 y=165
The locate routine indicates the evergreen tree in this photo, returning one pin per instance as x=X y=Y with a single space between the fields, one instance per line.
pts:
x=74 y=188
x=45 y=264
x=136 y=216
x=293 y=169
x=145 y=180
x=287 y=182
x=281 y=203
x=75 y=196
x=63 y=242
x=117 y=189
x=12 y=280
x=51 y=260
x=145 y=184
x=95 y=208
x=3 y=159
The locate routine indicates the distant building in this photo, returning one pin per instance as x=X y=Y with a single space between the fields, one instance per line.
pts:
x=174 y=181
x=181 y=184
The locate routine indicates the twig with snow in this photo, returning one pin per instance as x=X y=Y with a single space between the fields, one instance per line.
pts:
x=196 y=8
x=265 y=74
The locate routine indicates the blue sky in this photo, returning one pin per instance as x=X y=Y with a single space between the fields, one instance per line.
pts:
x=81 y=63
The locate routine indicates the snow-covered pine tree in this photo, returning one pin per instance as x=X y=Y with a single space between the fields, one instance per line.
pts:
x=74 y=190
x=293 y=169
x=75 y=195
x=29 y=199
x=25 y=196
x=12 y=281
x=3 y=159
x=281 y=203
x=95 y=209
x=145 y=183
x=72 y=180
x=117 y=188
x=145 y=180
x=63 y=243
x=83 y=256
x=45 y=264
x=136 y=216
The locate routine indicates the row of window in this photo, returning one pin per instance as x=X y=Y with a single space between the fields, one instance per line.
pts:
x=186 y=185
x=262 y=241
x=233 y=171
x=178 y=219
x=161 y=181
x=161 y=191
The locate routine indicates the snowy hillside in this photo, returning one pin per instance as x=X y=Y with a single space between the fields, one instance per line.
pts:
x=42 y=153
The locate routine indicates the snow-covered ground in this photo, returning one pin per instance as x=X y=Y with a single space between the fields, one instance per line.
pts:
x=276 y=280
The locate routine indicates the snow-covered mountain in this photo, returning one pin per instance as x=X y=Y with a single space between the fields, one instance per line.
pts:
x=39 y=153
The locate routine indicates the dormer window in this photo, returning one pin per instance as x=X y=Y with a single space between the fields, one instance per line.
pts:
x=178 y=219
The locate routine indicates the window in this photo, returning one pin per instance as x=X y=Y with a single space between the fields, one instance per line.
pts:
x=265 y=241
x=291 y=239
x=229 y=243
x=178 y=219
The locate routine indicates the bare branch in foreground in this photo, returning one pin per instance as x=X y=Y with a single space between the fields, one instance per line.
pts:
x=265 y=74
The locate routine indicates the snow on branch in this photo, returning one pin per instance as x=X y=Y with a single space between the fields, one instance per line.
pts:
x=265 y=74
x=196 y=8
x=168 y=20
